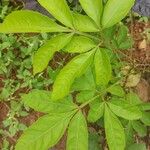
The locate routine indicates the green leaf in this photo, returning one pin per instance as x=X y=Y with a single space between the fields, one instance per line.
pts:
x=122 y=34
x=59 y=9
x=40 y=101
x=108 y=34
x=129 y=134
x=115 y=11
x=84 y=23
x=45 y=132
x=94 y=141
x=145 y=106
x=80 y=44
x=114 y=131
x=133 y=98
x=139 y=128
x=96 y=110
x=77 y=133
x=125 y=110
x=46 y=52
x=126 y=44
x=108 y=37
x=116 y=90
x=102 y=67
x=84 y=96
x=137 y=147
x=85 y=82
x=29 y=21
x=75 y=68
x=93 y=9
x=146 y=118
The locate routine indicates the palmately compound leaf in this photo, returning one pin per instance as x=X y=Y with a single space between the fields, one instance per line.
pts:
x=115 y=11
x=40 y=101
x=77 y=138
x=46 y=52
x=84 y=23
x=114 y=130
x=75 y=68
x=80 y=44
x=59 y=9
x=45 y=132
x=29 y=21
x=96 y=110
x=124 y=109
x=93 y=9
x=103 y=69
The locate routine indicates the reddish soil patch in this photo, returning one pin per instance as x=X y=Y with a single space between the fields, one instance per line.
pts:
x=62 y=144
x=143 y=90
x=3 y=114
x=1 y=82
x=31 y=118
x=140 y=54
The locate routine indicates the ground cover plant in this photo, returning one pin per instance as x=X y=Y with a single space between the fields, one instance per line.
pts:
x=89 y=88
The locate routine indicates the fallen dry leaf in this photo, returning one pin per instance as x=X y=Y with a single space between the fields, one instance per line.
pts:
x=133 y=80
x=143 y=90
x=143 y=44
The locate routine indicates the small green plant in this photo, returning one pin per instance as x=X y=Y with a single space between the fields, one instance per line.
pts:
x=11 y=122
x=16 y=65
x=91 y=79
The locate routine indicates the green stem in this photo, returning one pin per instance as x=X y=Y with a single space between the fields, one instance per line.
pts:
x=89 y=101
x=100 y=94
x=87 y=35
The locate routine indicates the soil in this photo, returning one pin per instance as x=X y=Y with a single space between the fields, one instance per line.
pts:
x=3 y=114
x=139 y=55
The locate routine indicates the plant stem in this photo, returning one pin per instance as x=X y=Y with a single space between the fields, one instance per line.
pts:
x=89 y=101
x=87 y=35
x=100 y=94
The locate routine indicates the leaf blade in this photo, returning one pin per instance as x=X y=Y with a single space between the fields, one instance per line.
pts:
x=84 y=23
x=42 y=135
x=93 y=9
x=102 y=65
x=115 y=11
x=96 y=111
x=59 y=9
x=116 y=90
x=77 y=140
x=75 y=68
x=125 y=110
x=139 y=128
x=46 y=52
x=146 y=118
x=80 y=44
x=115 y=128
x=29 y=21
x=40 y=101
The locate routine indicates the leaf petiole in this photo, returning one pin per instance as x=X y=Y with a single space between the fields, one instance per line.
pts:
x=89 y=101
